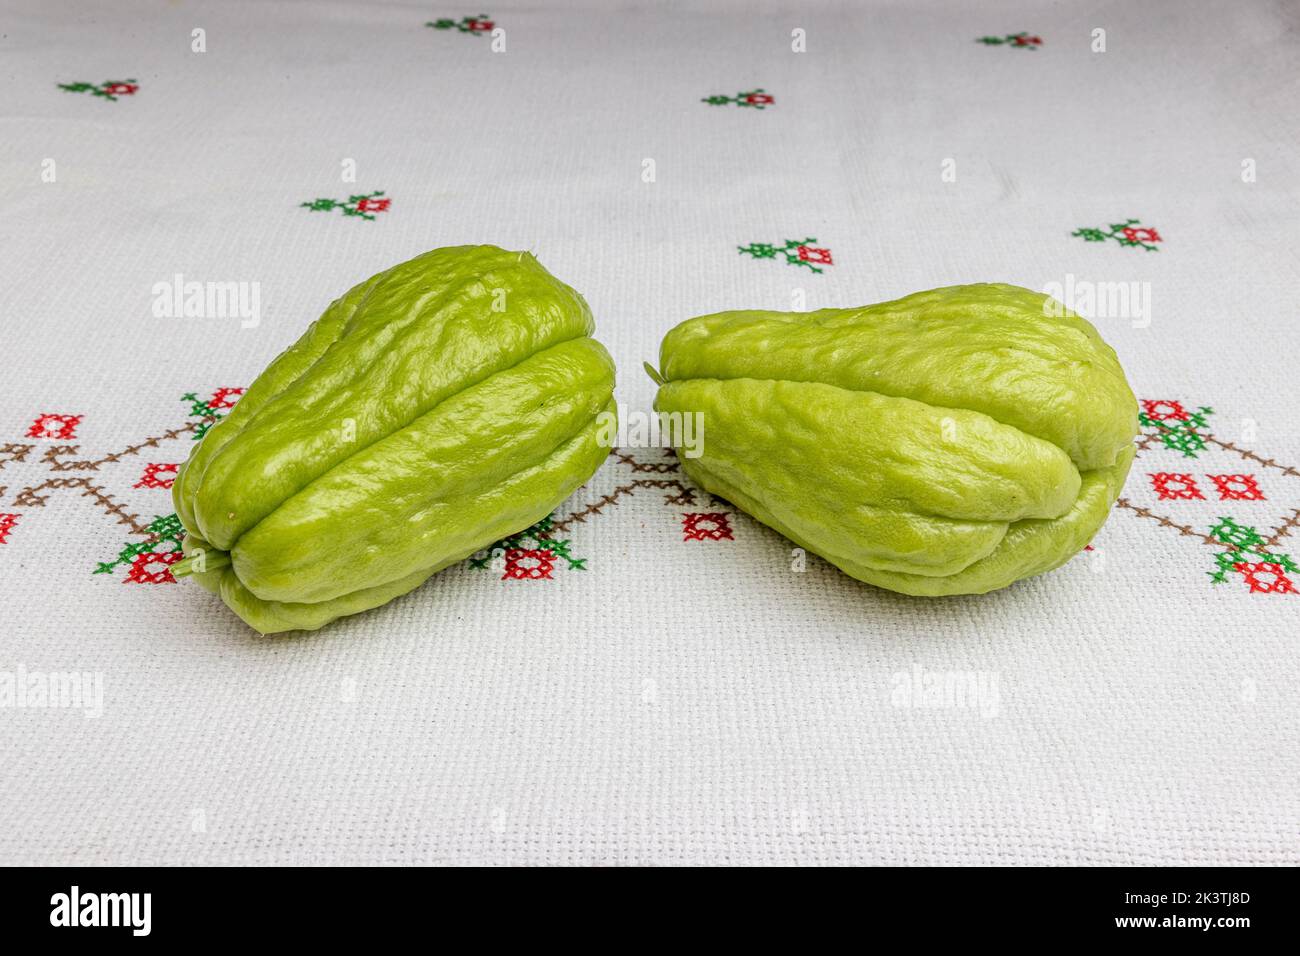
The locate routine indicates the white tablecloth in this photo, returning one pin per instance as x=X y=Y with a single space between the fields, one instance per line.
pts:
x=677 y=693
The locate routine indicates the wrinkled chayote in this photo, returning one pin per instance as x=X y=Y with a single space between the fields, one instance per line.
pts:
x=950 y=442
x=436 y=407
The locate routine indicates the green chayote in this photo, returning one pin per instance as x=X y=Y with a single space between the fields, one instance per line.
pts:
x=950 y=442
x=439 y=406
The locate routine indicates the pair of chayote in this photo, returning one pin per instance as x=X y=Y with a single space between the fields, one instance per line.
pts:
x=950 y=442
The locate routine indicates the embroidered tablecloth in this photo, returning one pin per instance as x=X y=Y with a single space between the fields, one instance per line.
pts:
x=650 y=676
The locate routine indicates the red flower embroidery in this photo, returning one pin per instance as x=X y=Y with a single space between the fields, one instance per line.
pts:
x=1237 y=488
x=810 y=254
x=157 y=476
x=1280 y=584
x=225 y=397
x=141 y=572
x=1172 y=487
x=373 y=205
x=760 y=99
x=1141 y=235
x=120 y=89
x=517 y=568
x=1025 y=41
x=1162 y=410
x=54 y=426
x=706 y=527
x=481 y=25
x=7 y=523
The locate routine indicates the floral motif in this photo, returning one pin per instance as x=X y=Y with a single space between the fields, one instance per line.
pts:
x=796 y=252
x=1126 y=233
x=529 y=564
x=1238 y=488
x=1022 y=41
x=142 y=557
x=1178 y=429
x=1176 y=487
x=157 y=475
x=54 y=426
x=713 y=526
x=474 y=26
x=151 y=567
x=757 y=99
x=109 y=89
x=529 y=555
x=209 y=412
x=1250 y=557
x=364 y=206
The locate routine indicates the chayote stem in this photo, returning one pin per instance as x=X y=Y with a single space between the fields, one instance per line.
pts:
x=199 y=562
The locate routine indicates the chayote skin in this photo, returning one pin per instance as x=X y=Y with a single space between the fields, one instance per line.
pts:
x=950 y=442
x=437 y=407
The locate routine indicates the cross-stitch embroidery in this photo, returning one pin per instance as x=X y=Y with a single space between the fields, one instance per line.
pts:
x=1020 y=41
x=1126 y=233
x=754 y=99
x=363 y=206
x=474 y=26
x=109 y=89
x=796 y=252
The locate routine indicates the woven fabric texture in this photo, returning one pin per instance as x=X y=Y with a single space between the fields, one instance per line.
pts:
x=676 y=687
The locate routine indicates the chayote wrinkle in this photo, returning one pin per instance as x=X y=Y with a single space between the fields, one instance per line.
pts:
x=949 y=359
x=1030 y=388
x=507 y=508
x=285 y=369
x=290 y=365
x=1024 y=548
x=1030 y=547
x=987 y=471
x=284 y=455
x=275 y=617
x=853 y=534
x=832 y=514
x=475 y=439
x=379 y=381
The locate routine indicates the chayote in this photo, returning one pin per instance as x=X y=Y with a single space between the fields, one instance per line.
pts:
x=436 y=407
x=950 y=442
